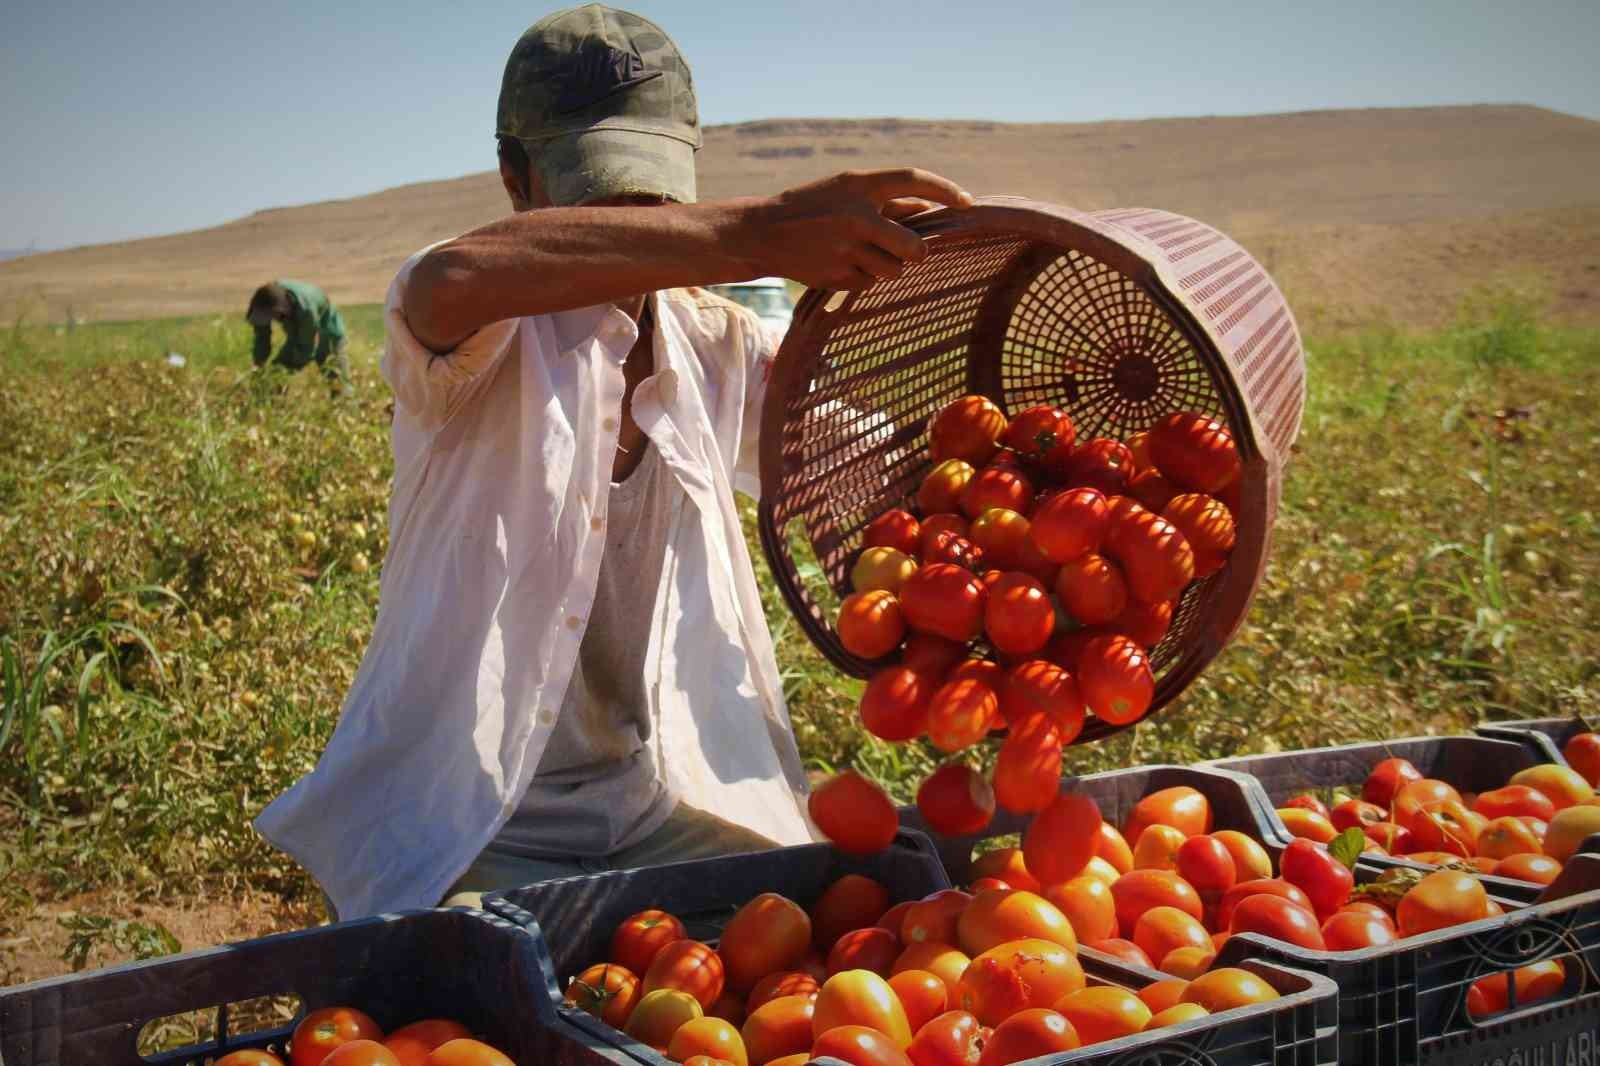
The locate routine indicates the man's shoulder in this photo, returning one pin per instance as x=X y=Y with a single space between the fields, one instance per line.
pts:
x=719 y=319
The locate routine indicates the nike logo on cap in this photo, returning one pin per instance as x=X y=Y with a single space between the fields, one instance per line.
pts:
x=601 y=71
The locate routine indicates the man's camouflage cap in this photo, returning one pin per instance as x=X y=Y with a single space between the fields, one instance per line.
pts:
x=604 y=104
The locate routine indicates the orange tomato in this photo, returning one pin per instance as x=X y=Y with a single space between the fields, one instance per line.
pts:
x=659 y=1013
x=1349 y=930
x=361 y=1053
x=687 y=966
x=1008 y=865
x=999 y=915
x=922 y=994
x=851 y=902
x=1088 y=905
x=871 y=948
x=871 y=624
x=1113 y=848
x=1226 y=988
x=1103 y=1012
x=896 y=528
x=945 y=601
x=1356 y=814
x=1016 y=975
x=930 y=655
x=1309 y=824
x=251 y=1057
x=640 y=936
x=1157 y=848
x=1279 y=919
x=1003 y=535
x=1159 y=995
x=859 y=1045
x=779 y=1027
x=1092 y=588
x=711 y=1037
x=1515 y=801
x=1115 y=679
x=960 y=713
x=1441 y=899
x=1206 y=863
x=412 y=1043
x=1069 y=524
x=1272 y=886
x=1188 y=961
x=605 y=990
x=1162 y=930
x=1028 y=1034
x=1176 y=1014
x=882 y=568
x=1208 y=527
x=1155 y=556
x=854 y=813
x=1539 y=980
x=322 y=1030
x=994 y=487
x=467 y=1052
x=1569 y=829
x=1184 y=808
x=935 y=524
x=1539 y=869
x=1019 y=616
x=1062 y=838
x=1037 y=686
x=1027 y=773
x=860 y=997
x=1506 y=837
x=1563 y=785
x=1195 y=450
x=1582 y=752
x=944 y=961
x=1126 y=950
x=940 y=492
x=1139 y=890
x=967 y=428
x=777 y=985
x=1144 y=623
x=768 y=934
x=951 y=1039
x=1152 y=489
x=1387 y=779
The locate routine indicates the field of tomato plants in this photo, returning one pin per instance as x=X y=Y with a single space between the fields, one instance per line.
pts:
x=189 y=571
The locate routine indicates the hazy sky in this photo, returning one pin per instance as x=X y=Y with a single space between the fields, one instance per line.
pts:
x=125 y=120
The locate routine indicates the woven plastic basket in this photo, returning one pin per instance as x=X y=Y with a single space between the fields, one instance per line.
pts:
x=1118 y=317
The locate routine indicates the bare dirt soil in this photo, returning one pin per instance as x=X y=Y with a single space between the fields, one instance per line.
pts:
x=1389 y=214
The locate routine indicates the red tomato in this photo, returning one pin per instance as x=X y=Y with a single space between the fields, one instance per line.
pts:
x=935 y=524
x=1028 y=1034
x=361 y=1053
x=1062 y=838
x=1582 y=752
x=897 y=529
x=1541 y=980
x=945 y=601
x=689 y=966
x=997 y=487
x=1100 y=464
x=999 y=917
x=871 y=624
x=1196 y=451
x=1152 y=489
x=1396 y=839
x=933 y=920
x=1156 y=557
x=1139 y=448
x=1126 y=950
x=1268 y=886
x=952 y=549
x=940 y=492
x=1088 y=905
x=1016 y=975
x=1139 y=890
x=1205 y=862
x=1163 y=930
x=854 y=813
x=1208 y=527
x=968 y=428
x=922 y=994
x=1144 y=623
x=640 y=936
x=951 y=1039
x=960 y=714
x=1069 y=524
x=1275 y=917
x=413 y=1043
x=1092 y=589
x=1306 y=801
x=1002 y=534
x=1007 y=865
x=1041 y=435
x=858 y=997
x=1184 y=808
x=858 y=1045
x=768 y=934
x=466 y=1052
x=606 y=990
x=931 y=656
x=851 y=902
x=776 y=986
x=894 y=705
x=1037 y=686
x=956 y=800
x=1114 y=677
x=1349 y=931
x=1356 y=814
x=1019 y=616
x=1515 y=801
x=1027 y=773
x=1113 y=848
x=1388 y=778
x=779 y=1027
x=871 y=948
x=1311 y=868
x=320 y=1031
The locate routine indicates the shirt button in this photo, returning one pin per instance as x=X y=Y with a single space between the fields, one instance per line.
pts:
x=573 y=621
x=609 y=424
x=597 y=523
x=547 y=716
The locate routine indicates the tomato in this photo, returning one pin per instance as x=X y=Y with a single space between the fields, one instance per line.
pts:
x=951 y=1039
x=1506 y=837
x=894 y=705
x=943 y=960
x=1250 y=859
x=1569 y=829
x=1016 y=975
x=1582 y=752
x=712 y=1037
x=705 y=1060
x=1156 y=558
x=1396 y=839
x=1114 y=677
x=1088 y=905
x=779 y=1027
x=1226 y=988
x=1003 y=535
x=1028 y=1034
x=768 y=934
x=1126 y=950
x=1188 y=961
x=1139 y=890
x=1278 y=918
x=960 y=713
x=692 y=967
x=896 y=528
x=1159 y=995
x=859 y=1045
x=1102 y=464
x=1157 y=848
x=1515 y=801
x=1311 y=868
x=1037 y=686
x=252 y=1057
x=1441 y=899
x=871 y=948
x=995 y=917
x=945 y=601
x=1162 y=930
x=1092 y=588
x=1309 y=824
x=851 y=902
x=922 y=994
x=860 y=997
x=871 y=624
x=1539 y=980
x=1387 y=779
x=968 y=428
x=1306 y=801
x=997 y=487
x=1348 y=931
x=854 y=813
x=1019 y=616
x=1356 y=814
x=983 y=884
x=935 y=525
x=1104 y=1012
x=1196 y=451
x=1008 y=865
x=1113 y=848
x=1539 y=869
x=931 y=656
x=1062 y=838
x=1041 y=435
x=1205 y=862
x=881 y=568
x=1153 y=490
x=1177 y=1014
x=777 y=985
x=1184 y=808
x=1069 y=524
x=1368 y=908
x=1270 y=886
x=1145 y=624
x=412 y=1043
x=322 y=1030
x=361 y=1053
x=940 y=492
x=1027 y=772
x=640 y=936
x=1563 y=785
x=1208 y=527
x=955 y=800
x=605 y=990
x=659 y=1013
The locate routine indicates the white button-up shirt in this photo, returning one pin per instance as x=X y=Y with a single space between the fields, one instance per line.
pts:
x=503 y=452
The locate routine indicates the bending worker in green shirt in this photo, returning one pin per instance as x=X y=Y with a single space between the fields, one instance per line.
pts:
x=312 y=328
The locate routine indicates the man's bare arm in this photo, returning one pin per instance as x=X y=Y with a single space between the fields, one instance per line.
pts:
x=829 y=234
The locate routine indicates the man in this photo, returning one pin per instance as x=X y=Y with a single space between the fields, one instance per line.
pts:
x=312 y=328
x=570 y=669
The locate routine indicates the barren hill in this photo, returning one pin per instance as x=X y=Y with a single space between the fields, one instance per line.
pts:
x=1361 y=214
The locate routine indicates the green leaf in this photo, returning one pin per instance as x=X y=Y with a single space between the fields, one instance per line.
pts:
x=1346 y=847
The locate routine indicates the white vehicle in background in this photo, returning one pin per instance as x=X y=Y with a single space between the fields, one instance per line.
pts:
x=767 y=297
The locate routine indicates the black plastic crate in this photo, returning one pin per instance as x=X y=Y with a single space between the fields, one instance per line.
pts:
x=1405 y=1004
x=1546 y=736
x=571 y=919
x=1470 y=763
x=459 y=963
x=1235 y=804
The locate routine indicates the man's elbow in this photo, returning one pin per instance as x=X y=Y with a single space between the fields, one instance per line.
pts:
x=435 y=304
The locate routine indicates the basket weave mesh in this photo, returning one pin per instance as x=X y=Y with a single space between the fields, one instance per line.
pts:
x=1118 y=317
